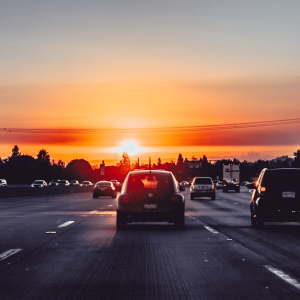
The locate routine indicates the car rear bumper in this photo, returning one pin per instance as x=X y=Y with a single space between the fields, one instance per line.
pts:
x=199 y=193
x=151 y=215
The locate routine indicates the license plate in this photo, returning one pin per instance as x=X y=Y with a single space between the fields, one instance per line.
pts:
x=150 y=206
x=288 y=194
x=102 y=189
x=203 y=187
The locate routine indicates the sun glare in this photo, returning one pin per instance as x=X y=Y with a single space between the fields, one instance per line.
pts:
x=130 y=147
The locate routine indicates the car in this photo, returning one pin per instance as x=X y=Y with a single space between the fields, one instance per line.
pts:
x=219 y=185
x=117 y=184
x=63 y=183
x=74 y=182
x=275 y=196
x=3 y=183
x=85 y=183
x=39 y=183
x=231 y=185
x=150 y=196
x=245 y=182
x=184 y=183
x=202 y=187
x=104 y=188
x=53 y=183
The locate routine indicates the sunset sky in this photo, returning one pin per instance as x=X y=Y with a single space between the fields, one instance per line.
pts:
x=91 y=75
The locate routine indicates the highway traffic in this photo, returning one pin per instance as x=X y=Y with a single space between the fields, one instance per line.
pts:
x=67 y=247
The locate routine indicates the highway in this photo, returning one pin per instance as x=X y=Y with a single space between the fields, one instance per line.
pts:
x=67 y=247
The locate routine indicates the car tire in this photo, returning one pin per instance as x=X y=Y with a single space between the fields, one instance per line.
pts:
x=213 y=197
x=121 y=223
x=180 y=222
x=95 y=196
x=192 y=197
x=114 y=195
x=253 y=220
x=259 y=221
x=238 y=190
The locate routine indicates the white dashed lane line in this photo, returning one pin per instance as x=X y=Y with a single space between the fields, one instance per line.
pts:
x=284 y=276
x=210 y=229
x=9 y=253
x=65 y=224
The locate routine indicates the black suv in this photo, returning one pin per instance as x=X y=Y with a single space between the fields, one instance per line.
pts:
x=275 y=197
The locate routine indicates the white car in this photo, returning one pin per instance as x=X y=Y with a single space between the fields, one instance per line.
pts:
x=39 y=183
x=3 y=183
x=203 y=187
x=85 y=183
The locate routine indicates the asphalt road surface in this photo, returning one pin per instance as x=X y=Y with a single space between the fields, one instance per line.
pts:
x=67 y=247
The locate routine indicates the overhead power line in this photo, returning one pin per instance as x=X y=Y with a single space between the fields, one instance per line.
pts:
x=155 y=129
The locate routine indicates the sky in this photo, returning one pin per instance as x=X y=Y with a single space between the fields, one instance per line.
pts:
x=93 y=76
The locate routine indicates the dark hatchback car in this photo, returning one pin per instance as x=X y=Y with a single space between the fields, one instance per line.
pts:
x=230 y=186
x=275 y=197
x=150 y=196
x=104 y=188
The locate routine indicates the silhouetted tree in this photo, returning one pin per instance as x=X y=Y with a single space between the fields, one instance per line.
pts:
x=15 y=151
x=79 y=169
x=159 y=165
x=296 y=163
x=43 y=156
x=180 y=159
x=125 y=162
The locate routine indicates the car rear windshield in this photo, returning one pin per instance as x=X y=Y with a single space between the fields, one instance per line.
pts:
x=39 y=181
x=104 y=183
x=150 y=182
x=277 y=178
x=85 y=182
x=203 y=181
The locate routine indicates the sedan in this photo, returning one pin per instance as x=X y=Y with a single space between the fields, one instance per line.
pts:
x=86 y=183
x=104 y=188
x=150 y=196
x=63 y=183
x=39 y=183
x=74 y=182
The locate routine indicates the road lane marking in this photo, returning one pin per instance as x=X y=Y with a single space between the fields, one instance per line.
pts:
x=94 y=211
x=284 y=276
x=9 y=253
x=65 y=224
x=210 y=229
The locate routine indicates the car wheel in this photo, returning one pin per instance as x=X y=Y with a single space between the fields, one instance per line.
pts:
x=238 y=190
x=259 y=221
x=180 y=222
x=192 y=197
x=121 y=223
x=95 y=196
x=253 y=220
x=213 y=197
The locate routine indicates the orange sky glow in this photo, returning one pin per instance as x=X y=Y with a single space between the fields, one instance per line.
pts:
x=102 y=74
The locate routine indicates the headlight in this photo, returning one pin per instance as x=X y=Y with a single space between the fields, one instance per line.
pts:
x=32 y=185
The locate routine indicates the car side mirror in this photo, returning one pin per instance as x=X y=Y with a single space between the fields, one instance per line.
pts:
x=251 y=186
x=181 y=188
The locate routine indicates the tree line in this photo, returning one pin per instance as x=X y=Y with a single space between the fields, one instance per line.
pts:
x=20 y=168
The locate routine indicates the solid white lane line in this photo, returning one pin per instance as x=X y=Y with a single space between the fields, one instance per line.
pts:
x=210 y=229
x=9 y=253
x=65 y=224
x=284 y=276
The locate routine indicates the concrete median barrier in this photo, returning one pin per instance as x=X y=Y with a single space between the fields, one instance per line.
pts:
x=7 y=192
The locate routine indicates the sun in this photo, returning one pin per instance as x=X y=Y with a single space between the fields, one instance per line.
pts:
x=130 y=147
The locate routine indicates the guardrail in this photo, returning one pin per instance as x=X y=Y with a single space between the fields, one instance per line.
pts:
x=8 y=192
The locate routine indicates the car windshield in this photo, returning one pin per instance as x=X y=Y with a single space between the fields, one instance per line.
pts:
x=203 y=181
x=85 y=182
x=150 y=182
x=284 y=177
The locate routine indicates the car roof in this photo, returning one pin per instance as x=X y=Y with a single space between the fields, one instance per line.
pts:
x=154 y=172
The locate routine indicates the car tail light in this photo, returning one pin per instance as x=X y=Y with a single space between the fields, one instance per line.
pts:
x=224 y=185
x=262 y=189
x=213 y=187
x=193 y=187
x=125 y=199
x=175 y=199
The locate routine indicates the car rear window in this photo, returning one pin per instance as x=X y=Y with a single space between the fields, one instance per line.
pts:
x=203 y=181
x=104 y=184
x=277 y=178
x=150 y=182
x=39 y=181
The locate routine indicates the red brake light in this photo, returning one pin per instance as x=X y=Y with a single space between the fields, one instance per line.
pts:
x=125 y=199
